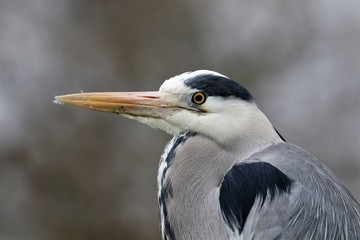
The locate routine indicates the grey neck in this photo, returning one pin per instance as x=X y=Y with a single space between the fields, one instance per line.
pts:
x=195 y=168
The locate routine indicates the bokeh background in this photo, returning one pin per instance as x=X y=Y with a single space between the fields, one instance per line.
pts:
x=72 y=174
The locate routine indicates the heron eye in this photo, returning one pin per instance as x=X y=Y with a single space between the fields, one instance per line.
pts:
x=198 y=98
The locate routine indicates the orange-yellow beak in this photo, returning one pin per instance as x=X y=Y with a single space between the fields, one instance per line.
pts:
x=147 y=104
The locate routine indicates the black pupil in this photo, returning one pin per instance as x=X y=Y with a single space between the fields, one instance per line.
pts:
x=199 y=98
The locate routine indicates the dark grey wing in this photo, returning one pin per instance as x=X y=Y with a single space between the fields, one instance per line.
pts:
x=283 y=192
x=250 y=185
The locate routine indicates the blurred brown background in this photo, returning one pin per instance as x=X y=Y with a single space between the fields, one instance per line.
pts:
x=73 y=174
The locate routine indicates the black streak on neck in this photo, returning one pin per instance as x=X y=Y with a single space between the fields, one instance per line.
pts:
x=279 y=135
x=166 y=188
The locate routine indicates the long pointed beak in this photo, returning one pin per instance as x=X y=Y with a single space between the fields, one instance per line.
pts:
x=132 y=103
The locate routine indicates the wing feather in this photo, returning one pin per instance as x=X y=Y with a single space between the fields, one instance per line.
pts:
x=283 y=192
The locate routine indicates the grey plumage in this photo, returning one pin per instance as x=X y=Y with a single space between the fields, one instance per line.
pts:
x=318 y=206
x=227 y=173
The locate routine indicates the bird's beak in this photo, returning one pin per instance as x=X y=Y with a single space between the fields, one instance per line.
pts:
x=146 y=104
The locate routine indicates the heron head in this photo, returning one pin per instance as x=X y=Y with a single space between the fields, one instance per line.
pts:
x=202 y=101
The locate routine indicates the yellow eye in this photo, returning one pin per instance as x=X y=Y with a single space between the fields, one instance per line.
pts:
x=198 y=98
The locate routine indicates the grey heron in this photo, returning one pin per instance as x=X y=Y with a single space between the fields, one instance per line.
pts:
x=227 y=173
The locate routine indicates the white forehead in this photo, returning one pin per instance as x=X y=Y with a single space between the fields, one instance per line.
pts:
x=176 y=84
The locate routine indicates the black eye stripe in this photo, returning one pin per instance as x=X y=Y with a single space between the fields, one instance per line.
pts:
x=220 y=86
x=198 y=98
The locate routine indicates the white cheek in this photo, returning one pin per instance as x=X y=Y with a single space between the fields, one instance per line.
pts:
x=228 y=106
x=223 y=120
x=210 y=124
x=184 y=119
x=156 y=123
